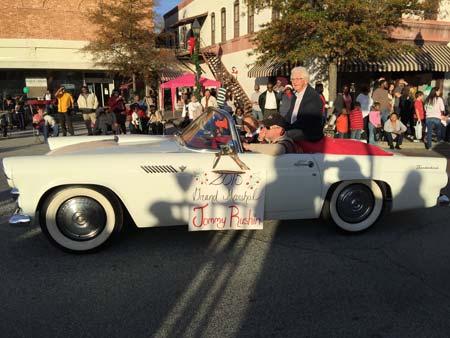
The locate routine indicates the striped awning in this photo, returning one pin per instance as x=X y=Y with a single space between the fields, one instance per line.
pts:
x=432 y=58
x=272 y=68
x=167 y=75
x=175 y=69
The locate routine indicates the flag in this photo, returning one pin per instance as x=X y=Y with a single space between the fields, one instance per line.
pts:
x=191 y=44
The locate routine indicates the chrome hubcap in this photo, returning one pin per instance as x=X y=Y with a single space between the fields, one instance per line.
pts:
x=81 y=218
x=355 y=203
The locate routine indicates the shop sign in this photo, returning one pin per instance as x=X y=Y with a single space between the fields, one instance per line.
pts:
x=36 y=82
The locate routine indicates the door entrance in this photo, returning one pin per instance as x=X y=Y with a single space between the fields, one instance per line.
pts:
x=102 y=90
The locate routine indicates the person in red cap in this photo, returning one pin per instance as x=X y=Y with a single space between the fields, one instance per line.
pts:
x=275 y=135
x=286 y=98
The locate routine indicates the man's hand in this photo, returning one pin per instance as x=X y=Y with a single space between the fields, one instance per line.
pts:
x=262 y=134
x=246 y=146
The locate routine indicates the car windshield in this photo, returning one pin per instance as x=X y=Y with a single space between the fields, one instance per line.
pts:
x=209 y=131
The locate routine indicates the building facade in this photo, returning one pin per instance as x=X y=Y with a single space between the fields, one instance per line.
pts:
x=228 y=25
x=40 y=48
x=231 y=24
x=429 y=66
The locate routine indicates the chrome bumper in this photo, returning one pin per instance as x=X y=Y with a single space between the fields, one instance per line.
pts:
x=443 y=201
x=18 y=217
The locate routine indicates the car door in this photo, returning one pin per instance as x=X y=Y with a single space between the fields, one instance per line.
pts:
x=293 y=184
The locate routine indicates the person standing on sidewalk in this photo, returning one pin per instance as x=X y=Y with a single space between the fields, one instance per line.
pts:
x=256 y=109
x=286 y=99
x=88 y=104
x=20 y=115
x=434 y=111
x=374 y=122
x=366 y=104
x=381 y=96
x=208 y=100
x=419 y=116
x=117 y=107
x=356 y=122
x=268 y=101
x=319 y=89
x=65 y=105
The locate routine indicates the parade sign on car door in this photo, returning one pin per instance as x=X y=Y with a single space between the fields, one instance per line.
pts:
x=227 y=201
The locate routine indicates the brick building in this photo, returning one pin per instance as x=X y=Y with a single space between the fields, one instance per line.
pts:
x=40 y=42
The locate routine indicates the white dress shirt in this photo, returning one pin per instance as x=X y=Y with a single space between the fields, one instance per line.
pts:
x=271 y=100
x=298 y=101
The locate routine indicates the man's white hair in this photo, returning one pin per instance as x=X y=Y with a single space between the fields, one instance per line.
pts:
x=301 y=70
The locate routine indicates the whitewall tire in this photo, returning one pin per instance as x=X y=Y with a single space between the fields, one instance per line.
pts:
x=356 y=205
x=81 y=219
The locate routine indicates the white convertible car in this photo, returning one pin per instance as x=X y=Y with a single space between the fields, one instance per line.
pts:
x=81 y=191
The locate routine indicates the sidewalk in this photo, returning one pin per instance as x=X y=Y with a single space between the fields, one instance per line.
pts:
x=26 y=138
x=418 y=148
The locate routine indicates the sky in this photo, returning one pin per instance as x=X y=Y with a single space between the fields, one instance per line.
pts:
x=165 y=6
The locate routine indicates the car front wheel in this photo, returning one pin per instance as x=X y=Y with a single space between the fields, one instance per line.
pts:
x=356 y=205
x=81 y=219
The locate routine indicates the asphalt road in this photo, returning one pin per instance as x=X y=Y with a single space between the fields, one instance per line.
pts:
x=292 y=279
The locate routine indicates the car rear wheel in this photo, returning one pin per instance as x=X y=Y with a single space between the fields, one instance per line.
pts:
x=356 y=205
x=81 y=219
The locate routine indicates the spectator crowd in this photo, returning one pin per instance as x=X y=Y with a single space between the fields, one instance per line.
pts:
x=54 y=115
x=395 y=110
x=389 y=111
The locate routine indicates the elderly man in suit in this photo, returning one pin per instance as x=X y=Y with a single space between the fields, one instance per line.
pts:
x=305 y=113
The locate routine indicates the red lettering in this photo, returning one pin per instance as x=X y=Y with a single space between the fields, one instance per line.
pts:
x=250 y=218
x=234 y=213
x=194 y=223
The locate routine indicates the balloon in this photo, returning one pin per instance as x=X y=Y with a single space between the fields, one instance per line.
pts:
x=26 y=90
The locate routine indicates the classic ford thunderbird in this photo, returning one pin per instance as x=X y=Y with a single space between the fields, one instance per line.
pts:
x=82 y=189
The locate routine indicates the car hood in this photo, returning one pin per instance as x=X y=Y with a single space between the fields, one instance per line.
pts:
x=113 y=144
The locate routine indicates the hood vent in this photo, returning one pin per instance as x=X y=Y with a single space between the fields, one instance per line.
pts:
x=158 y=169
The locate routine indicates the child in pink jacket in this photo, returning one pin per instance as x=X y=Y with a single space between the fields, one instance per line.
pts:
x=374 y=121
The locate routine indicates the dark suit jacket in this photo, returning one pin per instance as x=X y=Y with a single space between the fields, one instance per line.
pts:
x=309 y=115
x=262 y=101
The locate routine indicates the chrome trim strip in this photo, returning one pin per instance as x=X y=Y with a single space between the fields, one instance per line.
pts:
x=443 y=201
x=3 y=169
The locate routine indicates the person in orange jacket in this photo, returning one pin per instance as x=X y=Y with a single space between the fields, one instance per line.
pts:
x=342 y=124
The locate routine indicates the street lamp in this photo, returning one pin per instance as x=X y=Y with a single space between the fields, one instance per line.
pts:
x=198 y=71
x=196 y=28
